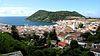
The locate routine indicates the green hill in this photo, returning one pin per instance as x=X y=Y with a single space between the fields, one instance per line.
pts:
x=48 y=16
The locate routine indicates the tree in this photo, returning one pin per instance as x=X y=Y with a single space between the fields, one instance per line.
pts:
x=21 y=46
x=38 y=53
x=46 y=34
x=88 y=37
x=53 y=38
x=31 y=49
x=74 y=44
x=87 y=53
x=80 y=25
x=72 y=52
x=76 y=50
x=6 y=43
x=91 y=39
x=85 y=36
x=9 y=44
x=14 y=32
x=53 y=35
x=50 y=52
x=1 y=55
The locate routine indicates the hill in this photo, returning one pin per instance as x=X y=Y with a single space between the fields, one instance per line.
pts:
x=48 y=16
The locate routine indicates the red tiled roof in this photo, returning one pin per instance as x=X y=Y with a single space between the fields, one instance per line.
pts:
x=62 y=44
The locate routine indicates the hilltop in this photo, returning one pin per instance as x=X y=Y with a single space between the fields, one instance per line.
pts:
x=48 y=16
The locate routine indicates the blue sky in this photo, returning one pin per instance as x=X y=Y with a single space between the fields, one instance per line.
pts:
x=28 y=7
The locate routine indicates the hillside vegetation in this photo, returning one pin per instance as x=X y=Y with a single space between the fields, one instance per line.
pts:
x=47 y=16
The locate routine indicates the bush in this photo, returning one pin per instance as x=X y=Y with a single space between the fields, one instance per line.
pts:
x=6 y=43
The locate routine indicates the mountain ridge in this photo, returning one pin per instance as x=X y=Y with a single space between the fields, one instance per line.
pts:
x=49 y=16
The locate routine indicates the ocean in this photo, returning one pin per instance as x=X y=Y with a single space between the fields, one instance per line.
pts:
x=22 y=21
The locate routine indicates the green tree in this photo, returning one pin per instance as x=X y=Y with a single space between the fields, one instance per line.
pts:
x=72 y=52
x=76 y=50
x=1 y=55
x=88 y=37
x=53 y=34
x=21 y=46
x=97 y=36
x=38 y=53
x=85 y=36
x=31 y=49
x=91 y=39
x=50 y=52
x=6 y=43
x=74 y=44
x=80 y=25
x=14 y=32
x=9 y=44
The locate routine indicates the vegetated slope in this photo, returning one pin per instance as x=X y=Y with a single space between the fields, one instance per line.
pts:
x=48 y=16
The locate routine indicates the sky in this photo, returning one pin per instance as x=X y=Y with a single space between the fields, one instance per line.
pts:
x=88 y=8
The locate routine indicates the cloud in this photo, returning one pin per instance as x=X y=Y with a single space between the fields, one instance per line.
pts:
x=25 y=11
x=16 y=11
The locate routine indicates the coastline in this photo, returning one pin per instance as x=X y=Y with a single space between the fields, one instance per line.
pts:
x=3 y=24
x=21 y=21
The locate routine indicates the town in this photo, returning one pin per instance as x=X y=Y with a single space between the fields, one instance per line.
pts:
x=65 y=30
